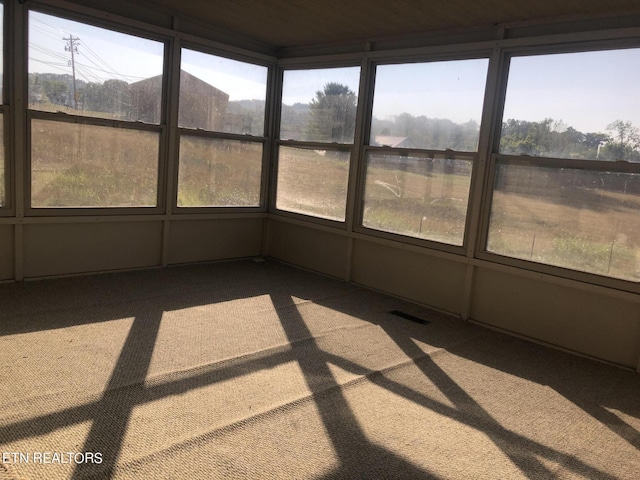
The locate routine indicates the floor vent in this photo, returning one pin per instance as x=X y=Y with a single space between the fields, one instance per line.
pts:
x=408 y=316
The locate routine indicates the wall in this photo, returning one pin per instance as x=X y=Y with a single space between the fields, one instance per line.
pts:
x=67 y=246
x=595 y=321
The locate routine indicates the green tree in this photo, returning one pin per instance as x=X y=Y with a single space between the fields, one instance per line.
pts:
x=56 y=92
x=116 y=97
x=332 y=114
x=522 y=137
x=625 y=142
x=90 y=97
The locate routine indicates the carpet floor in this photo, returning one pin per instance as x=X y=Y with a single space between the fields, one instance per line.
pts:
x=247 y=370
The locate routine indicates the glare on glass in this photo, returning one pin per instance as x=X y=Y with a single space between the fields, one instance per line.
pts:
x=417 y=196
x=79 y=165
x=84 y=70
x=222 y=95
x=435 y=105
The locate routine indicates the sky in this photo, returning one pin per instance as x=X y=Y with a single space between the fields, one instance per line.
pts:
x=102 y=53
x=584 y=90
x=300 y=86
x=453 y=90
x=241 y=80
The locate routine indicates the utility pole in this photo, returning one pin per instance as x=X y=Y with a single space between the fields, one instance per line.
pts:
x=72 y=46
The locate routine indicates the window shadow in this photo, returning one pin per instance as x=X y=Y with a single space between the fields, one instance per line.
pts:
x=113 y=411
x=359 y=458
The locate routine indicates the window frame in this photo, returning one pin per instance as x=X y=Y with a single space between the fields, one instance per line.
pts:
x=471 y=157
x=494 y=158
x=352 y=148
x=263 y=139
x=474 y=157
x=161 y=127
x=99 y=122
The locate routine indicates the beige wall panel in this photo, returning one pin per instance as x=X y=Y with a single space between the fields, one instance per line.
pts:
x=58 y=249
x=592 y=324
x=310 y=248
x=6 y=252
x=425 y=279
x=207 y=240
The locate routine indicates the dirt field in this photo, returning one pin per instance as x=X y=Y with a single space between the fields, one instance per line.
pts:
x=577 y=219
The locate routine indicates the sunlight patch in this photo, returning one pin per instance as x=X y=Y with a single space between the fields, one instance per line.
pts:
x=78 y=359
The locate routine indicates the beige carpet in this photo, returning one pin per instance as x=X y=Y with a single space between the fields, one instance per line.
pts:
x=248 y=370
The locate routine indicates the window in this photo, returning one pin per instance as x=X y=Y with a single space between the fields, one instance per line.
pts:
x=317 y=128
x=95 y=99
x=434 y=105
x=313 y=182
x=424 y=135
x=218 y=172
x=221 y=120
x=574 y=200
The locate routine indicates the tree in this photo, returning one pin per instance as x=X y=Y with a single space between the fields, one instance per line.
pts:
x=56 y=91
x=625 y=142
x=116 y=97
x=522 y=137
x=332 y=114
x=90 y=96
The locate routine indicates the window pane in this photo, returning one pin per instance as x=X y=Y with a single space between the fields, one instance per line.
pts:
x=219 y=173
x=435 y=105
x=313 y=182
x=223 y=95
x=85 y=70
x=75 y=165
x=320 y=105
x=579 y=219
x=574 y=105
x=417 y=196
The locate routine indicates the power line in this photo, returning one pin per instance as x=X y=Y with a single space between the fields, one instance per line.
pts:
x=42 y=31
x=51 y=64
x=48 y=52
x=72 y=47
x=101 y=64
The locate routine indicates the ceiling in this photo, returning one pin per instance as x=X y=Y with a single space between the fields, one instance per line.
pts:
x=295 y=23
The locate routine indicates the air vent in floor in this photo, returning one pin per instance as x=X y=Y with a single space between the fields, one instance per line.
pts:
x=408 y=316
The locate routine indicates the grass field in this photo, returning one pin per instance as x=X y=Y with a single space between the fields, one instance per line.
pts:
x=313 y=182
x=92 y=166
x=216 y=172
x=419 y=197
